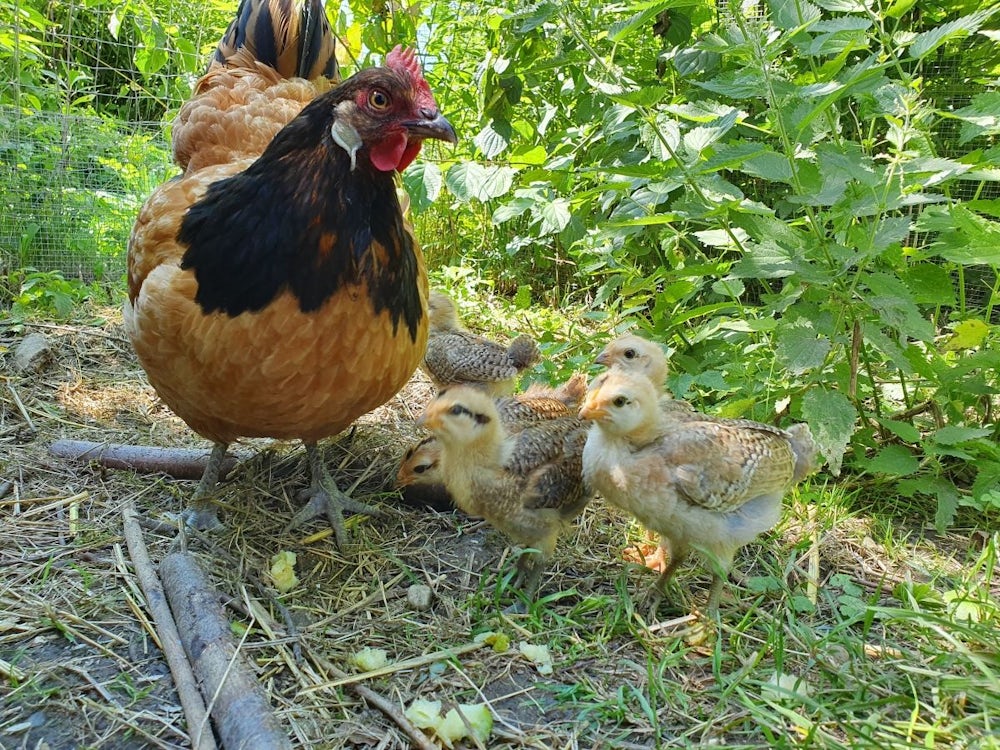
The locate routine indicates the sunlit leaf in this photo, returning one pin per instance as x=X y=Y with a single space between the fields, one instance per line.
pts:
x=831 y=416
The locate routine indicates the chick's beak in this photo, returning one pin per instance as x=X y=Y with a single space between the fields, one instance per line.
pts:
x=432 y=124
x=429 y=420
x=602 y=358
x=591 y=410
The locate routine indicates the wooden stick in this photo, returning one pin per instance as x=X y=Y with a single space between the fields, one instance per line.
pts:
x=166 y=628
x=180 y=463
x=241 y=712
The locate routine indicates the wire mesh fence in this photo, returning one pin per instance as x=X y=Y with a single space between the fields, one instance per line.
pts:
x=83 y=142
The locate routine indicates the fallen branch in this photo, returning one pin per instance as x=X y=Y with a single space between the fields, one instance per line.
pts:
x=166 y=630
x=241 y=712
x=180 y=463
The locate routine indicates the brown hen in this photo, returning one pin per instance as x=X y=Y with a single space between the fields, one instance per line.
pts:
x=274 y=289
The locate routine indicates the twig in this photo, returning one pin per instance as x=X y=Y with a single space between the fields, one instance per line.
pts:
x=20 y=407
x=240 y=710
x=9 y=672
x=380 y=702
x=399 y=666
x=180 y=463
x=152 y=589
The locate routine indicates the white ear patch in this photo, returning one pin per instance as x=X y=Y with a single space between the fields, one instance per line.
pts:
x=346 y=136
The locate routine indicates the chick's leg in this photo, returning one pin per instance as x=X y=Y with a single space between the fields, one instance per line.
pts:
x=678 y=554
x=326 y=499
x=201 y=512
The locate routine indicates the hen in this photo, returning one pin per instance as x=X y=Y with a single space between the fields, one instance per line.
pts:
x=455 y=356
x=527 y=484
x=419 y=477
x=710 y=485
x=274 y=289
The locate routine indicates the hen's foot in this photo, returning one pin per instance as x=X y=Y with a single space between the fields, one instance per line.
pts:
x=202 y=513
x=327 y=500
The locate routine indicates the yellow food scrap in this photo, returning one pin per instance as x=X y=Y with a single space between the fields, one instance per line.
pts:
x=369 y=659
x=283 y=571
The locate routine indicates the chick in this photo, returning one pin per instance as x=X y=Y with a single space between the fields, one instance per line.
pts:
x=710 y=485
x=636 y=354
x=527 y=484
x=455 y=356
x=419 y=478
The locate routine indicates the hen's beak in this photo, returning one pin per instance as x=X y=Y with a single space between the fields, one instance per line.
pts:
x=433 y=125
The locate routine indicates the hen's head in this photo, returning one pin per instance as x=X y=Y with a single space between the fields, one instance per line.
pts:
x=621 y=403
x=385 y=114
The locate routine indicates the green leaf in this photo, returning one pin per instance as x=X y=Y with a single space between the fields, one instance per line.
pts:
x=897 y=308
x=963 y=237
x=930 y=284
x=791 y=14
x=469 y=180
x=831 y=415
x=969 y=334
x=925 y=43
x=423 y=184
x=895 y=460
x=529 y=155
x=800 y=348
x=953 y=434
x=902 y=430
x=493 y=139
x=981 y=117
x=554 y=216
x=948 y=502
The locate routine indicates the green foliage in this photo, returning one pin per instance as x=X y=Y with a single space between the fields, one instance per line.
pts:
x=800 y=199
x=776 y=196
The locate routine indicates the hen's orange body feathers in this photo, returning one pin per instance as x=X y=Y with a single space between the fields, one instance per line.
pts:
x=274 y=288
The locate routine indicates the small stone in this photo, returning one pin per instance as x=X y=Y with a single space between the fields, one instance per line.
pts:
x=418 y=597
x=33 y=353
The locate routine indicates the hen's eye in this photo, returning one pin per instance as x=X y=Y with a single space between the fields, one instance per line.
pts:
x=631 y=354
x=620 y=401
x=378 y=99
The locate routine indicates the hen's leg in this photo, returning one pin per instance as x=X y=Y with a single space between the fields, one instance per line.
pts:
x=326 y=499
x=201 y=512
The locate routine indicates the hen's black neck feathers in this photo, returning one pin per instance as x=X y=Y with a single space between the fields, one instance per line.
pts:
x=299 y=219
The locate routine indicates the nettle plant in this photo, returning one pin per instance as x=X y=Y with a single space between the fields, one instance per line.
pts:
x=773 y=190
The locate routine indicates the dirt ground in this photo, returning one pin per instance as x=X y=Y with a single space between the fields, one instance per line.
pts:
x=78 y=653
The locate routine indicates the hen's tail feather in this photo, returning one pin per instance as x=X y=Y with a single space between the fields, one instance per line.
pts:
x=295 y=41
x=805 y=450
x=523 y=352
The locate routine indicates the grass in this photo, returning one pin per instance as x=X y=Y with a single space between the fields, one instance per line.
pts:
x=850 y=625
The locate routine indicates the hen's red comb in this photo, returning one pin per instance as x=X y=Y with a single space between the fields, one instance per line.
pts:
x=404 y=61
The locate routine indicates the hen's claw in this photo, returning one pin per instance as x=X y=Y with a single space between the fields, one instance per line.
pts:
x=327 y=500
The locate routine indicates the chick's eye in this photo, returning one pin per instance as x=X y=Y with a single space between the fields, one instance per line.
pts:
x=631 y=354
x=620 y=401
x=378 y=99
x=456 y=410
x=420 y=468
